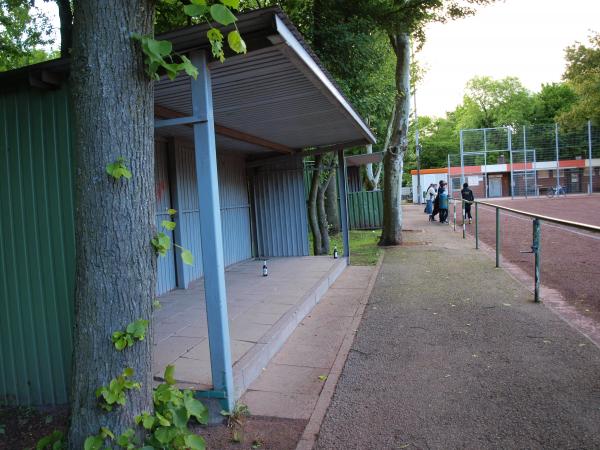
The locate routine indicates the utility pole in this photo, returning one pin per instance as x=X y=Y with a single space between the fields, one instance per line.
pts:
x=417 y=147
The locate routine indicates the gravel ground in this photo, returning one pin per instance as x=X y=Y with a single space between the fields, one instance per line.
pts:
x=453 y=353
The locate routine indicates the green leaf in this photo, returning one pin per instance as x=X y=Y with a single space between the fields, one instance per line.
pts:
x=195 y=10
x=192 y=71
x=120 y=344
x=170 y=374
x=168 y=225
x=148 y=421
x=128 y=372
x=179 y=416
x=198 y=2
x=195 y=442
x=172 y=211
x=164 y=435
x=160 y=48
x=93 y=443
x=196 y=409
x=187 y=257
x=235 y=4
x=222 y=14
x=236 y=43
x=106 y=433
x=118 y=169
x=156 y=304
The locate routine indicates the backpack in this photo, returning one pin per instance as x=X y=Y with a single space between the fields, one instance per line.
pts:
x=443 y=200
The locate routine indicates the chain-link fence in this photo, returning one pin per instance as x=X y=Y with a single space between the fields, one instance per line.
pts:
x=523 y=161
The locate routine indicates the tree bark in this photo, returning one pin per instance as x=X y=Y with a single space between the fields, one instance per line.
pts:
x=65 y=14
x=114 y=219
x=391 y=233
x=313 y=216
x=331 y=207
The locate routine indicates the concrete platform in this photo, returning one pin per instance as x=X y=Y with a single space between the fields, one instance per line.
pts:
x=263 y=313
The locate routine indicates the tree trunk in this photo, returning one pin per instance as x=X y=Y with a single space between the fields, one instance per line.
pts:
x=313 y=216
x=114 y=219
x=391 y=233
x=331 y=206
x=372 y=181
x=323 y=225
x=65 y=14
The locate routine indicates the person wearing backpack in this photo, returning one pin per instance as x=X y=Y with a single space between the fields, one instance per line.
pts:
x=467 y=194
x=442 y=198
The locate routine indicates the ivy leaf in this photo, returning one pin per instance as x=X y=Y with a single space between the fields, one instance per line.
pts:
x=106 y=433
x=172 y=211
x=187 y=257
x=93 y=443
x=236 y=43
x=194 y=10
x=159 y=48
x=128 y=372
x=222 y=14
x=170 y=374
x=168 y=225
x=194 y=442
x=118 y=169
x=235 y=4
x=196 y=409
x=120 y=344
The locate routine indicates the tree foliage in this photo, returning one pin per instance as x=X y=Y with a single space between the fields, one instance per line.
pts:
x=583 y=75
x=23 y=32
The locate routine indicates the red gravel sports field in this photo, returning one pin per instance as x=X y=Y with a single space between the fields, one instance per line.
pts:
x=570 y=257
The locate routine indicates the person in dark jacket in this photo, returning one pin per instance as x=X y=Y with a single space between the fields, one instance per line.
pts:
x=467 y=194
x=442 y=199
x=436 y=203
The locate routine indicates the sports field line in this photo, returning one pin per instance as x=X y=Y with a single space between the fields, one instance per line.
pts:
x=558 y=227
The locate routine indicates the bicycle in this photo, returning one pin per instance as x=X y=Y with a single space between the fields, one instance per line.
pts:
x=555 y=192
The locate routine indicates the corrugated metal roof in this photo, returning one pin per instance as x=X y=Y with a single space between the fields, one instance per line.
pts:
x=279 y=91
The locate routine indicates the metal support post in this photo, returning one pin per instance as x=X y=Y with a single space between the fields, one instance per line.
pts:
x=525 y=155
x=557 y=157
x=464 y=226
x=454 y=203
x=512 y=179
x=462 y=159
x=211 y=235
x=536 y=248
x=485 y=175
x=537 y=189
x=590 y=168
x=497 y=237
x=476 y=226
x=449 y=180
x=343 y=193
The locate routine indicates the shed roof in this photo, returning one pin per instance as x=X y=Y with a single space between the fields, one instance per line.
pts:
x=277 y=98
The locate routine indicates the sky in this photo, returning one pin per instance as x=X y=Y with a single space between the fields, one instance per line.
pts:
x=522 y=38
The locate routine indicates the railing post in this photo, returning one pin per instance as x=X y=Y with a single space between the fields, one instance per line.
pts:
x=590 y=171
x=454 y=215
x=476 y=226
x=536 y=251
x=497 y=237
x=463 y=220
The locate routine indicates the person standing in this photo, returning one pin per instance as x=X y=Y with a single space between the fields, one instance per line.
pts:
x=442 y=199
x=429 y=196
x=467 y=194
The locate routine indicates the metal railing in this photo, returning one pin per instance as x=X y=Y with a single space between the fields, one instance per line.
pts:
x=536 y=235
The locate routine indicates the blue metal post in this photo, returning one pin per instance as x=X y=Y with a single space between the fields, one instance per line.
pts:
x=536 y=248
x=342 y=188
x=497 y=237
x=210 y=234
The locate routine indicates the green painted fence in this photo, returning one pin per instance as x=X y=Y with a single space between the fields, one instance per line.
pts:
x=365 y=210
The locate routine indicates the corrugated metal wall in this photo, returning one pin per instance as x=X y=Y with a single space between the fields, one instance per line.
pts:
x=165 y=277
x=235 y=217
x=365 y=210
x=280 y=209
x=37 y=248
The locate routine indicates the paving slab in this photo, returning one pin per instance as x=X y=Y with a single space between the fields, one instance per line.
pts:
x=453 y=353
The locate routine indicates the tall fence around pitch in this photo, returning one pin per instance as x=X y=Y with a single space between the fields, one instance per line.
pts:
x=528 y=160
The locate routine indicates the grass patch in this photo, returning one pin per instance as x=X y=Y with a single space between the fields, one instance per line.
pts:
x=363 y=246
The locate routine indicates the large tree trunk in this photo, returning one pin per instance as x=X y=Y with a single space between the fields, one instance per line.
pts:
x=394 y=156
x=323 y=225
x=65 y=13
x=331 y=207
x=114 y=219
x=313 y=215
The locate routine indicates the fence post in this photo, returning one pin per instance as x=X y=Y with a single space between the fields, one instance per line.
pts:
x=557 y=157
x=476 y=226
x=497 y=237
x=536 y=251
x=449 y=180
x=463 y=219
x=512 y=178
x=462 y=159
x=454 y=215
x=590 y=168
x=525 y=155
